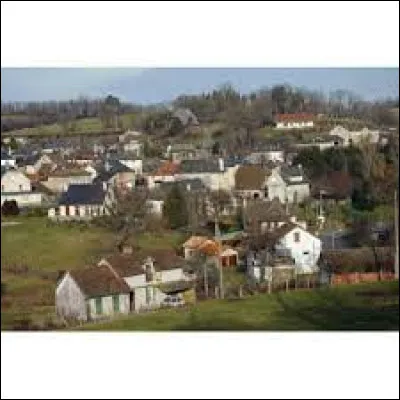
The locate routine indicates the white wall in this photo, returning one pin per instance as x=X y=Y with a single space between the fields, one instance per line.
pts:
x=24 y=199
x=308 y=243
x=108 y=307
x=135 y=165
x=70 y=301
x=15 y=181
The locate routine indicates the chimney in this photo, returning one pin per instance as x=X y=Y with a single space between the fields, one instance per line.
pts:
x=293 y=219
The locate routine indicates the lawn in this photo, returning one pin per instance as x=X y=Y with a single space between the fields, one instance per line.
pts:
x=33 y=252
x=84 y=126
x=372 y=306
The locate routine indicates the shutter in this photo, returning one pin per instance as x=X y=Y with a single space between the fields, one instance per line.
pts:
x=116 y=303
x=99 y=305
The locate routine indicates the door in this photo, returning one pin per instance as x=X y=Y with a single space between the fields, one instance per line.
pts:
x=131 y=301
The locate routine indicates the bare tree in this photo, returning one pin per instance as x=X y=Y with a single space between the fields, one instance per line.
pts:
x=126 y=215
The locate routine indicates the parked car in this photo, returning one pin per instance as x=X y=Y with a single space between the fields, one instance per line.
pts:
x=173 y=301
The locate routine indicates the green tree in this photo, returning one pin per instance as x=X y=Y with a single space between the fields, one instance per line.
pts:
x=175 y=208
x=13 y=144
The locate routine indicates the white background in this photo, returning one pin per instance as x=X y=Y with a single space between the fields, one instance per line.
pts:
x=200 y=365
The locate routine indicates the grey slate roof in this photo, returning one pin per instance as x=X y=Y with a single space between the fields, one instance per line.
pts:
x=109 y=169
x=83 y=194
x=184 y=184
x=293 y=172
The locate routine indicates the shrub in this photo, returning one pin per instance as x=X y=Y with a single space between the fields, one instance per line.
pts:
x=10 y=208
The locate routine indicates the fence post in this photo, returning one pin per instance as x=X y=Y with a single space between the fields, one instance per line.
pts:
x=216 y=292
x=287 y=285
x=240 y=292
x=269 y=287
x=308 y=282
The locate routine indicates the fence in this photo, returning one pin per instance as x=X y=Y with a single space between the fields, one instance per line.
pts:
x=358 y=277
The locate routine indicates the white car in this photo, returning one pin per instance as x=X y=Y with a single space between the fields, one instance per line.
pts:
x=173 y=301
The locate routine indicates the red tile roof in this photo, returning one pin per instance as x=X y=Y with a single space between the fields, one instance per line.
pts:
x=297 y=117
x=167 y=168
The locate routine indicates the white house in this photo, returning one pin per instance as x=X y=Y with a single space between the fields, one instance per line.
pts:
x=7 y=161
x=82 y=202
x=15 y=185
x=294 y=241
x=212 y=172
x=294 y=121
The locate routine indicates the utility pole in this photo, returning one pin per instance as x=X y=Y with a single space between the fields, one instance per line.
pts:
x=396 y=236
x=219 y=264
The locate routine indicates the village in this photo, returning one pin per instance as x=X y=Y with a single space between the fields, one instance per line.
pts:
x=255 y=215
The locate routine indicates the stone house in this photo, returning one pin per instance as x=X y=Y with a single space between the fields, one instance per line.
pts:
x=288 y=184
x=251 y=182
x=59 y=179
x=152 y=276
x=91 y=293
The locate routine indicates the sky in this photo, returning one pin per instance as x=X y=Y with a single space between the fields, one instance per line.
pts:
x=156 y=85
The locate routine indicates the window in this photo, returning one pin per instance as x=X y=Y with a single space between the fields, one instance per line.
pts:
x=115 y=300
x=20 y=188
x=297 y=237
x=99 y=304
x=306 y=253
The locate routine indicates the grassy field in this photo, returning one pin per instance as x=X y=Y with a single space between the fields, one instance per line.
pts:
x=33 y=252
x=373 y=306
x=84 y=126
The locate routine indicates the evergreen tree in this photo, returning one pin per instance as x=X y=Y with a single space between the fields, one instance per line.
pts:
x=175 y=208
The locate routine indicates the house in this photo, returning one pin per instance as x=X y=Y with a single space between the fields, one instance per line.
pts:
x=265 y=216
x=128 y=136
x=60 y=178
x=288 y=184
x=294 y=121
x=322 y=142
x=296 y=242
x=164 y=173
x=129 y=160
x=268 y=266
x=8 y=161
x=81 y=202
x=133 y=147
x=116 y=174
x=15 y=185
x=250 y=182
x=91 y=293
x=152 y=276
x=178 y=152
x=212 y=250
x=82 y=157
x=212 y=172
x=35 y=162
x=355 y=137
x=267 y=152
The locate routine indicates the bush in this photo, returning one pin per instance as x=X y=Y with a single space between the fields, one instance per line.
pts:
x=10 y=208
